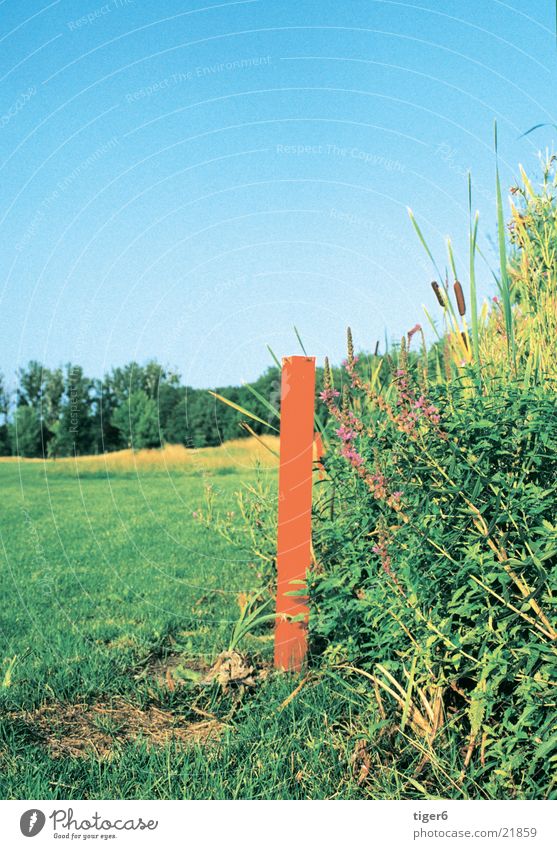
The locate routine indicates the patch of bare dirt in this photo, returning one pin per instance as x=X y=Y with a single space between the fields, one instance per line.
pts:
x=231 y=670
x=174 y=671
x=78 y=730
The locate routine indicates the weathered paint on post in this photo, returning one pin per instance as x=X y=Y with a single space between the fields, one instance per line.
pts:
x=294 y=509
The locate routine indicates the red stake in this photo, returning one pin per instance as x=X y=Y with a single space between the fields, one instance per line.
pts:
x=294 y=510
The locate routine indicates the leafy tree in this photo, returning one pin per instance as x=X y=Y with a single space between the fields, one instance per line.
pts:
x=132 y=377
x=137 y=421
x=201 y=424
x=175 y=424
x=4 y=434
x=106 y=436
x=52 y=397
x=25 y=432
x=41 y=389
x=32 y=383
x=160 y=385
x=171 y=413
x=76 y=414
x=125 y=380
x=73 y=432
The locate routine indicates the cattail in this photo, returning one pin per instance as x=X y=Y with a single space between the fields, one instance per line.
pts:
x=459 y=294
x=376 y=352
x=331 y=376
x=437 y=289
x=345 y=399
x=350 y=345
x=465 y=339
x=327 y=375
x=403 y=356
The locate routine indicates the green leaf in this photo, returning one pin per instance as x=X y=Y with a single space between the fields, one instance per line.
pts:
x=241 y=410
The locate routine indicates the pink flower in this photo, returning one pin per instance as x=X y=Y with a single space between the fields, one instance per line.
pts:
x=355 y=458
x=329 y=394
x=345 y=433
x=416 y=329
x=352 y=456
x=382 y=551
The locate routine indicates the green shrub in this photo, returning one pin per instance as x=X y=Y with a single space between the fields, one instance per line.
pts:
x=436 y=546
x=434 y=577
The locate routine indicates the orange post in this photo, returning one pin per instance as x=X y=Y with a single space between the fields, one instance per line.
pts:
x=294 y=510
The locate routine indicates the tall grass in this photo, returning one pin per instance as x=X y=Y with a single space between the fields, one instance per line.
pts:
x=523 y=315
x=504 y=284
x=473 y=240
x=234 y=454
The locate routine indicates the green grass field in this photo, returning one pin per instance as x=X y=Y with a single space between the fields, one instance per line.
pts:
x=107 y=583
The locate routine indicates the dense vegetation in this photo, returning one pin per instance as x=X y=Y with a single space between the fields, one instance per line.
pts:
x=62 y=412
x=434 y=577
x=436 y=535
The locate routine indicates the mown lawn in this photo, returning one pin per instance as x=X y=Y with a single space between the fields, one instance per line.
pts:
x=106 y=581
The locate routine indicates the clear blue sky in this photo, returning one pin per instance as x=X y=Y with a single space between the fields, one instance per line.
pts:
x=187 y=181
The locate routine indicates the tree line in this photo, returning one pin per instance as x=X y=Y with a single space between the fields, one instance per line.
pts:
x=61 y=412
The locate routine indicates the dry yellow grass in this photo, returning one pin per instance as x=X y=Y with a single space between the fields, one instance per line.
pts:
x=237 y=453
